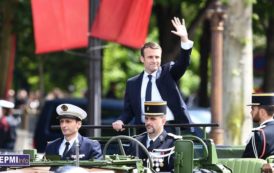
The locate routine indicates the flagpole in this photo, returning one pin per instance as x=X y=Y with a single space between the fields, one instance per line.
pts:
x=94 y=76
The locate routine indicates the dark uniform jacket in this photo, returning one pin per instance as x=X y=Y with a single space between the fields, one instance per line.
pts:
x=88 y=149
x=166 y=80
x=268 y=130
x=164 y=141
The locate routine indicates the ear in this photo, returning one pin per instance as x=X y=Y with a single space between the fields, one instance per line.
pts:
x=142 y=59
x=79 y=123
x=164 y=120
x=262 y=111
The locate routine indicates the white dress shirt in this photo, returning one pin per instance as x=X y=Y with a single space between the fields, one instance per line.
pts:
x=155 y=95
x=63 y=145
x=154 y=139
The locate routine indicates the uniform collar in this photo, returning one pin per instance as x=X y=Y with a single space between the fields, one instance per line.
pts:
x=152 y=74
x=267 y=121
x=160 y=137
x=72 y=140
x=262 y=125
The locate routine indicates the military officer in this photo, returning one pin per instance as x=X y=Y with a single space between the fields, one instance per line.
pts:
x=261 y=144
x=70 y=117
x=159 y=143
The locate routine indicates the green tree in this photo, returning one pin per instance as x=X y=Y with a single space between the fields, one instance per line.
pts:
x=263 y=24
x=7 y=9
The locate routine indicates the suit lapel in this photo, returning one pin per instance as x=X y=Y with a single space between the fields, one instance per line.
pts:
x=159 y=84
x=144 y=141
x=158 y=74
x=139 y=151
x=58 y=144
x=138 y=93
x=160 y=140
x=72 y=149
x=269 y=123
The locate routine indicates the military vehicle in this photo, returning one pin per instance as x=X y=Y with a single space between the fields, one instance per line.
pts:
x=210 y=158
x=111 y=109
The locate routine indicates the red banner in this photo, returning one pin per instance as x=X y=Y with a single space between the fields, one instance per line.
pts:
x=11 y=65
x=60 y=24
x=123 y=21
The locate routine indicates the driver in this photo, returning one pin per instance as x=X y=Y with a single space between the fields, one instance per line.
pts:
x=159 y=143
x=70 y=117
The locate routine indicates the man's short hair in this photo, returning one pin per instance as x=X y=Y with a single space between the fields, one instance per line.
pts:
x=151 y=45
x=268 y=109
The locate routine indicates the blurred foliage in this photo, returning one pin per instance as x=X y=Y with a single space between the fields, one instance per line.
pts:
x=119 y=63
x=262 y=11
x=189 y=83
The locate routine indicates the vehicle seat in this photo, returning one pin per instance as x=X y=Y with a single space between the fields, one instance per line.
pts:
x=243 y=165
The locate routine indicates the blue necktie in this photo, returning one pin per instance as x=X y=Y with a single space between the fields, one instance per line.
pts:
x=148 y=89
x=66 y=149
x=150 y=145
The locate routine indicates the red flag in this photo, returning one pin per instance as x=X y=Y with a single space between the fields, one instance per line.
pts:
x=60 y=24
x=11 y=65
x=123 y=21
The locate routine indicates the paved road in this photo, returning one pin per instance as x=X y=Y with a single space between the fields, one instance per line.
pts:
x=24 y=140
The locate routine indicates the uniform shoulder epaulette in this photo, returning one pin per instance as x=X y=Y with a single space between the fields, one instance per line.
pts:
x=258 y=128
x=174 y=136
x=49 y=142
x=141 y=134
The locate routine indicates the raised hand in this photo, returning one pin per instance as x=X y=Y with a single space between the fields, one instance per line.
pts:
x=180 y=29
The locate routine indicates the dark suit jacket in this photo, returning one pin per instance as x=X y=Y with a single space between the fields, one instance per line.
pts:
x=164 y=141
x=166 y=80
x=269 y=135
x=89 y=149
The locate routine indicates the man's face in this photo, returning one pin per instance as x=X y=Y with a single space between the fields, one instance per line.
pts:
x=255 y=113
x=154 y=124
x=69 y=126
x=151 y=59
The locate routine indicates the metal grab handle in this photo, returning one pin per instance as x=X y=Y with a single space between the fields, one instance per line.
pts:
x=199 y=140
x=77 y=153
x=139 y=126
x=121 y=147
x=130 y=139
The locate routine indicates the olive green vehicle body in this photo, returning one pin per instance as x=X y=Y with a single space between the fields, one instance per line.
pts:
x=220 y=159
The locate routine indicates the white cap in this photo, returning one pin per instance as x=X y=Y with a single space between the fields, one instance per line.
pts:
x=6 y=104
x=70 y=111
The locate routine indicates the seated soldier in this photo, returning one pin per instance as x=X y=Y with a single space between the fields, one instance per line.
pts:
x=71 y=117
x=261 y=144
x=159 y=143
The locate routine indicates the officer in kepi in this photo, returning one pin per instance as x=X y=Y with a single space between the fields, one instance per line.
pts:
x=73 y=145
x=261 y=143
x=159 y=143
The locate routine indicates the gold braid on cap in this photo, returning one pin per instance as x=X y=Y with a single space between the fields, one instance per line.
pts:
x=64 y=107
